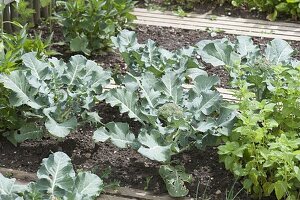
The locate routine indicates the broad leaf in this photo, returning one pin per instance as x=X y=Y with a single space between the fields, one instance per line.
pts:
x=80 y=43
x=61 y=129
x=278 y=51
x=245 y=46
x=124 y=40
x=87 y=186
x=37 y=68
x=22 y=93
x=126 y=100
x=205 y=83
x=8 y=187
x=56 y=175
x=170 y=86
x=26 y=132
x=118 y=133
x=220 y=53
x=175 y=179
x=206 y=102
x=152 y=147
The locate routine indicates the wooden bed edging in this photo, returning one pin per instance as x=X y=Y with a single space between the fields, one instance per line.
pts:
x=122 y=193
x=227 y=94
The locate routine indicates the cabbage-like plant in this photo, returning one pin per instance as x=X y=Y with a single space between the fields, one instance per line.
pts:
x=53 y=96
x=173 y=119
x=150 y=57
x=56 y=179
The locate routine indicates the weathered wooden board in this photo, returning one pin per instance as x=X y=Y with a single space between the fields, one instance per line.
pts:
x=227 y=94
x=237 y=26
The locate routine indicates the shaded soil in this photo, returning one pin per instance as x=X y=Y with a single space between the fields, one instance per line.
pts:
x=127 y=166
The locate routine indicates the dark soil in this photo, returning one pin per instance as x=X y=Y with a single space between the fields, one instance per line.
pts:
x=127 y=166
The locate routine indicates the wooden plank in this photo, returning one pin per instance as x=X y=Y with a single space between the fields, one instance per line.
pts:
x=219 y=26
x=31 y=6
x=111 y=197
x=227 y=94
x=234 y=32
x=223 y=18
x=231 y=24
x=37 y=14
x=7 y=19
x=139 y=194
x=14 y=15
x=20 y=175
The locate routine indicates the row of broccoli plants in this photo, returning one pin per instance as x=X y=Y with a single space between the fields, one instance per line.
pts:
x=258 y=143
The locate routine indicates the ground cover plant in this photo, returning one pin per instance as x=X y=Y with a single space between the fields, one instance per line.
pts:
x=51 y=96
x=264 y=145
x=56 y=180
x=88 y=24
x=273 y=7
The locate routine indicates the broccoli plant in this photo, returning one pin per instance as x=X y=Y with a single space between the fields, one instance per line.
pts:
x=56 y=180
x=244 y=54
x=53 y=96
x=173 y=119
x=148 y=57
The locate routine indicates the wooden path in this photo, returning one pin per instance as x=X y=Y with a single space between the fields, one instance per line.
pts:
x=230 y=25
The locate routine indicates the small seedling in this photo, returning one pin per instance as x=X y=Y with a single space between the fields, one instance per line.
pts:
x=180 y=12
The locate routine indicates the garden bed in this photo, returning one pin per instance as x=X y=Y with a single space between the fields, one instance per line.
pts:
x=127 y=166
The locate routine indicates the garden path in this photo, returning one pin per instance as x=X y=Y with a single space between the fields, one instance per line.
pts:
x=230 y=25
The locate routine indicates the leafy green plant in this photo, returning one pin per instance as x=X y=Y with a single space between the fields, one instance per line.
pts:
x=56 y=180
x=16 y=44
x=264 y=145
x=180 y=12
x=51 y=96
x=274 y=7
x=12 y=47
x=149 y=57
x=173 y=119
x=89 y=24
x=25 y=12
